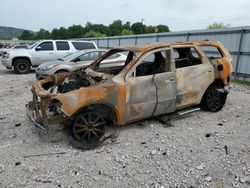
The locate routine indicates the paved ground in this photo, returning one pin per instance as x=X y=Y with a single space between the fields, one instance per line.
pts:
x=200 y=150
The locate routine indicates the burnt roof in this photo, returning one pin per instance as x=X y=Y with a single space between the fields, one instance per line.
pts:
x=152 y=46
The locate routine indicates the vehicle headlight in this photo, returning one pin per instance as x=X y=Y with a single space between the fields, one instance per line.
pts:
x=5 y=55
x=48 y=67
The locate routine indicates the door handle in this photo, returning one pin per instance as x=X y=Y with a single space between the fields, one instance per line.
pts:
x=169 y=80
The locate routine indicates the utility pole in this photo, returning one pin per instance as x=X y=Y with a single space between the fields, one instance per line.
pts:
x=143 y=19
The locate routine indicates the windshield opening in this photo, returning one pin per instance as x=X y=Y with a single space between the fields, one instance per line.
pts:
x=69 y=56
x=114 y=61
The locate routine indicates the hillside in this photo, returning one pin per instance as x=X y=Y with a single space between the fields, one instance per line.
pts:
x=10 y=32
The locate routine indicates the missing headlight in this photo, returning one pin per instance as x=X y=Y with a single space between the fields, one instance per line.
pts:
x=55 y=106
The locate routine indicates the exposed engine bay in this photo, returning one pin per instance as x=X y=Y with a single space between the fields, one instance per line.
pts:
x=65 y=82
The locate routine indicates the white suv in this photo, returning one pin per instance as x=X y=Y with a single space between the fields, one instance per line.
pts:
x=47 y=50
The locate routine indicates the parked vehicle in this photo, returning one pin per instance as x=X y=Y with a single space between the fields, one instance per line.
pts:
x=77 y=60
x=48 y=50
x=156 y=79
x=5 y=50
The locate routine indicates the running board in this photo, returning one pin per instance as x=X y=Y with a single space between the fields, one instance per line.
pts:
x=188 y=111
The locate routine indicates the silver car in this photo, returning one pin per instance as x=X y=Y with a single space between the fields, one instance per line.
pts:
x=78 y=60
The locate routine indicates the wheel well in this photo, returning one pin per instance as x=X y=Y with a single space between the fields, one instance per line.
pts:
x=107 y=111
x=16 y=58
x=218 y=82
x=61 y=70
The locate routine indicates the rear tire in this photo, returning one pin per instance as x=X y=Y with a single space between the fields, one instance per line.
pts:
x=214 y=99
x=21 y=66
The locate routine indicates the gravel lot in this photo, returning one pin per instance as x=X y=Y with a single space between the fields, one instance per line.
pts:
x=201 y=149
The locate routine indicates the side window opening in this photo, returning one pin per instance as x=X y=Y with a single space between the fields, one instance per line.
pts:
x=185 y=57
x=89 y=56
x=212 y=52
x=154 y=63
x=46 y=46
x=83 y=45
x=114 y=56
x=61 y=45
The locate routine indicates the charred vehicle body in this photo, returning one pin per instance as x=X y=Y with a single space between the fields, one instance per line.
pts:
x=155 y=79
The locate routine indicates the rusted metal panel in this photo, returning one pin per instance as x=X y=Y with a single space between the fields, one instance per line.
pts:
x=192 y=84
x=166 y=93
x=141 y=98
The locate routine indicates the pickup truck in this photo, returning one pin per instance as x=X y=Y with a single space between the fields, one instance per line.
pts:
x=23 y=60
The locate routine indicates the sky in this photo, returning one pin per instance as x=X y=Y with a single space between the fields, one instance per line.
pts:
x=179 y=15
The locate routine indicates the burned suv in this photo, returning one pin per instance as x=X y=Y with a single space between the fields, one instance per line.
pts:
x=155 y=79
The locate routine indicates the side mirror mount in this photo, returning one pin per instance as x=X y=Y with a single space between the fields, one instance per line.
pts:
x=77 y=59
x=38 y=48
x=132 y=75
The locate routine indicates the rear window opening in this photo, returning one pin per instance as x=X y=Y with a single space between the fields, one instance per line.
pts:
x=83 y=45
x=212 y=52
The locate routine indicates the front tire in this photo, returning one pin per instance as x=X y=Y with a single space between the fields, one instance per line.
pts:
x=88 y=126
x=21 y=66
x=214 y=99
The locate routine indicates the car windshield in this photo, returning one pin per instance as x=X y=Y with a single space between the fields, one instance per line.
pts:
x=33 y=45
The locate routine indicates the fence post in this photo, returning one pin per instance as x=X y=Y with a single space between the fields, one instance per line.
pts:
x=188 y=34
x=97 y=41
x=157 y=38
x=239 y=53
x=107 y=43
x=119 y=41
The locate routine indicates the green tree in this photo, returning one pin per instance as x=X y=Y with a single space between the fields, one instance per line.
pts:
x=27 y=35
x=127 y=26
x=115 y=29
x=43 y=34
x=76 y=31
x=88 y=26
x=61 y=33
x=55 y=34
x=93 y=34
x=138 y=28
x=151 y=29
x=162 y=28
x=217 y=25
x=126 y=32
x=97 y=28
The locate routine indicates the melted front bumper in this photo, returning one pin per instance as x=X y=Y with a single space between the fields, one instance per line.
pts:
x=39 y=114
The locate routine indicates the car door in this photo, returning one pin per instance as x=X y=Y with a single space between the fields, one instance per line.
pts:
x=193 y=75
x=62 y=49
x=166 y=87
x=147 y=90
x=45 y=51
